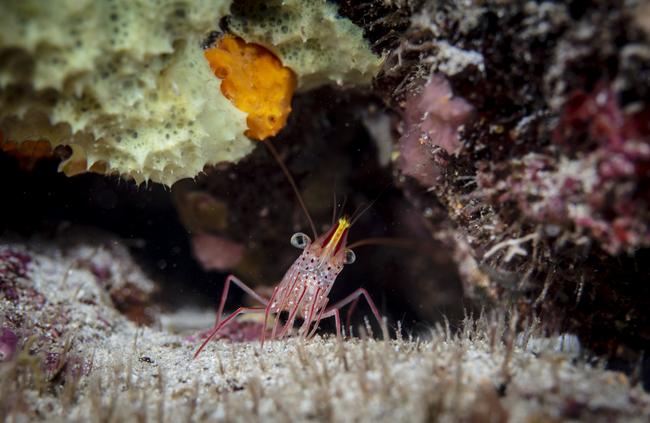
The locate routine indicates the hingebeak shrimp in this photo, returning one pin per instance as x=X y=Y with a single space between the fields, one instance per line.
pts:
x=303 y=291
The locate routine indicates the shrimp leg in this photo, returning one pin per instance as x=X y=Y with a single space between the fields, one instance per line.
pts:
x=348 y=316
x=355 y=297
x=267 y=310
x=225 y=322
x=337 y=319
x=292 y=315
x=285 y=295
x=243 y=287
x=320 y=316
x=304 y=329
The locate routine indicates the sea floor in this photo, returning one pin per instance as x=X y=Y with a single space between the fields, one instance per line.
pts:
x=78 y=357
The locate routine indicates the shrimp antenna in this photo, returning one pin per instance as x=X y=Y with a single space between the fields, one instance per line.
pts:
x=284 y=168
x=334 y=206
x=356 y=215
x=391 y=242
x=345 y=201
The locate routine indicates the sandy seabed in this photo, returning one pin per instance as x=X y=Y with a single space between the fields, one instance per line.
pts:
x=79 y=359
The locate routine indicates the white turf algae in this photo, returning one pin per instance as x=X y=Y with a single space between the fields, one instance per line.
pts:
x=60 y=300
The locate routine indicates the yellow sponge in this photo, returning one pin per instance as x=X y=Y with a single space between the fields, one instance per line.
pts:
x=123 y=82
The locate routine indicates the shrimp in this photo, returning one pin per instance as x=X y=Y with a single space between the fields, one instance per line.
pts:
x=303 y=291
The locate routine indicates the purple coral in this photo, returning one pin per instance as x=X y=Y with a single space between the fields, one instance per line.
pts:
x=432 y=118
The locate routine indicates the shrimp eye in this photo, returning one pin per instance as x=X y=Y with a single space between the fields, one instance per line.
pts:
x=350 y=257
x=300 y=240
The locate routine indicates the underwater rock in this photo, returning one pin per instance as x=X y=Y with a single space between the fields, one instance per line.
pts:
x=216 y=252
x=53 y=291
x=547 y=182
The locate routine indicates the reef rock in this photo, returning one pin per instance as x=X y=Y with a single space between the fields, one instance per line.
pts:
x=546 y=184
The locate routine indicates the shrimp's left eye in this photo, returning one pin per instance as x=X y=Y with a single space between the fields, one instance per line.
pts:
x=300 y=240
x=350 y=257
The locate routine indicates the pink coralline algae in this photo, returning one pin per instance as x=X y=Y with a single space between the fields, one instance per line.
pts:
x=601 y=186
x=216 y=252
x=617 y=144
x=432 y=119
x=13 y=265
x=69 y=364
x=597 y=117
x=8 y=344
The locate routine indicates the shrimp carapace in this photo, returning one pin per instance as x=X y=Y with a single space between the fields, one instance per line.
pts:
x=257 y=83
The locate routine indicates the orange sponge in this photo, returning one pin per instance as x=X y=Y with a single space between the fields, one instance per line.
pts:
x=28 y=152
x=256 y=82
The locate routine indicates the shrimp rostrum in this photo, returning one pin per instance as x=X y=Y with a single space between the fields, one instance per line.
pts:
x=303 y=291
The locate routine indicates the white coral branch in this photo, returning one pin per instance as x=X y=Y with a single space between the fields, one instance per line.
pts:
x=513 y=245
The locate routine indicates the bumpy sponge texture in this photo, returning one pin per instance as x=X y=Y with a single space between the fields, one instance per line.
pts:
x=123 y=82
x=309 y=37
x=256 y=82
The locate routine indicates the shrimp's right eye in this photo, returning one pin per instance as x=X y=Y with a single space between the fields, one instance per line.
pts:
x=300 y=240
x=350 y=257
